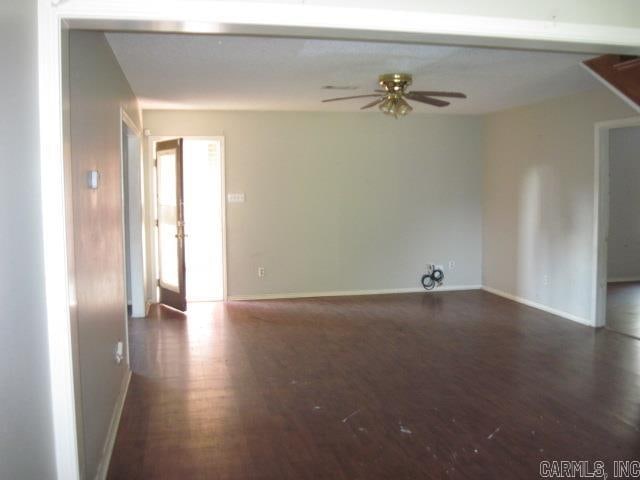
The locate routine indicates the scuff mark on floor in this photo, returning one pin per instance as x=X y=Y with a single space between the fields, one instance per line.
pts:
x=345 y=419
x=490 y=437
x=405 y=430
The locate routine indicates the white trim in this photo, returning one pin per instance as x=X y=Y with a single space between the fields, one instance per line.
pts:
x=125 y=246
x=601 y=215
x=126 y=119
x=611 y=88
x=107 y=451
x=57 y=276
x=151 y=214
x=223 y=192
x=623 y=279
x=349 y=293
x=271 y=18
x=537 y=305
x=135 y=203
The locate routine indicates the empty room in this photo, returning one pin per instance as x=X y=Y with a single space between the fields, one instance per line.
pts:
x=307 y=246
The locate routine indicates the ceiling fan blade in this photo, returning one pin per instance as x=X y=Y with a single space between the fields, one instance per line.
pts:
x=440 y=94
x=374 y=103
x=349 y=98
x=424 y=99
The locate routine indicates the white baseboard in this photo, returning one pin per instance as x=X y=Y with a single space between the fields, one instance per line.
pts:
x=539 y=306
x=103 y=467
x=623 y=279
x=344 y=293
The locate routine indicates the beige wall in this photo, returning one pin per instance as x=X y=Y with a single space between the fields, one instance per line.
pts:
x=26 y=429
x=97 y=90
x=344 y=202
x=624 y=204
x=539 y=200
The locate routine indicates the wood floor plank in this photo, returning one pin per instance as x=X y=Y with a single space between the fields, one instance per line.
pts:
x=411 y=386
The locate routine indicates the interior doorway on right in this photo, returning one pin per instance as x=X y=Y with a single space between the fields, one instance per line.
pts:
x=623 y=246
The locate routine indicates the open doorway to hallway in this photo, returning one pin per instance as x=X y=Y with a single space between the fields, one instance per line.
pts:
x=193 y=237
x=623 y=245
x=133 y=228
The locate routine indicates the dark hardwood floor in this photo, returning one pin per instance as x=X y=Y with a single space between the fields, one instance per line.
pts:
x=414 y=386
x=623 y=307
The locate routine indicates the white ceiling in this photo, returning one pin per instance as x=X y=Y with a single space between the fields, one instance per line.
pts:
x=168 y=71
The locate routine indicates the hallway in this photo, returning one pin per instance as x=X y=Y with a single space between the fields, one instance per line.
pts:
x=623 y=307
x=443 y=385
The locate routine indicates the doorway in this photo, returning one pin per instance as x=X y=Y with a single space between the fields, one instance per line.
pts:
x=204 y=224
x=133 y=224
x=623 y=245
x=201 y=226
x=616 y=303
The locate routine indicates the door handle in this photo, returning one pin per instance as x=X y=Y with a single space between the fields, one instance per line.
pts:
x=180 y=233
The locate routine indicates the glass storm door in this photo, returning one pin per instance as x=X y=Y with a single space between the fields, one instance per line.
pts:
x=171 y=224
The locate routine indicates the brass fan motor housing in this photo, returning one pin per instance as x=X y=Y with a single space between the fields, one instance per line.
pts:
x=395 y=82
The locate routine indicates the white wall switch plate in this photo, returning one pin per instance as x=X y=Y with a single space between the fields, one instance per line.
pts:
x=93 y=179
x=235 y=197
x=118 y=353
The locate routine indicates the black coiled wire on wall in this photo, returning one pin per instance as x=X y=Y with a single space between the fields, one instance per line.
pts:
x=434 y=277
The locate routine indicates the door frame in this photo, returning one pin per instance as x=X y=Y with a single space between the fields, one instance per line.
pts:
x=135 y=205
x=152 y=229
x=602 y=132
x=216 y=17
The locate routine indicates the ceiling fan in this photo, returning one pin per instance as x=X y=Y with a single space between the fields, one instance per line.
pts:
x=392 y=100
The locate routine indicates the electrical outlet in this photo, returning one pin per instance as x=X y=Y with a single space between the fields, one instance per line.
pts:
x=545 y=279
x=118 y=352
x=452 y=264
x=260 y=272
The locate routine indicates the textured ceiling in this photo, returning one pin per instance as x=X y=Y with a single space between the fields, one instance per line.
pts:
x=169 y=71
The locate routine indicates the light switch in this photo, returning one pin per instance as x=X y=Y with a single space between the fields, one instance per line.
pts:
x=93 y=179
x=118 y=353
x=235 y=197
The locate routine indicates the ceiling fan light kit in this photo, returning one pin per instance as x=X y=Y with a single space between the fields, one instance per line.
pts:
x=395 y=106
x=392 y=99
